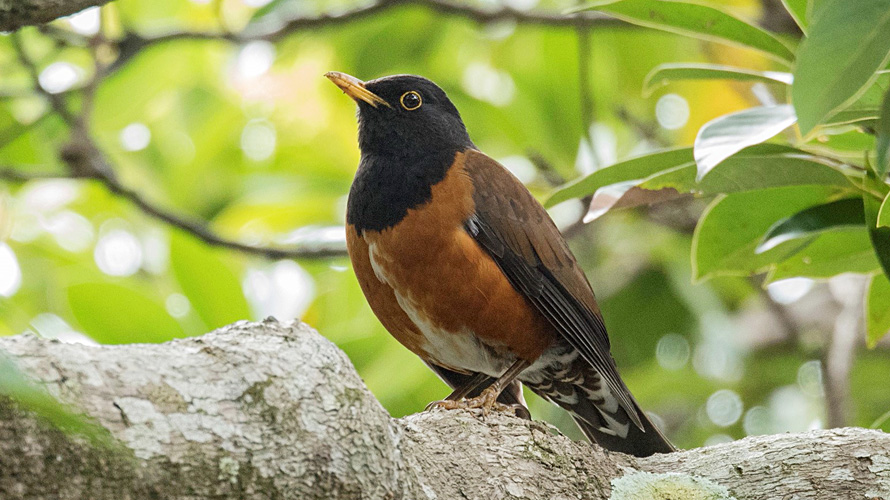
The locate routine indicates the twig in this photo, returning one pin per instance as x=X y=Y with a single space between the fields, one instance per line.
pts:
x=18 y=175
x=476 y=14
x=547 y=170
x=81 y=168
x=273 y=30
x=646 y=130
x=554 y=178
x=777 y=311
x=85 y=160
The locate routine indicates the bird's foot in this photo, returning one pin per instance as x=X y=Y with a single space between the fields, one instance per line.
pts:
x=487 y=402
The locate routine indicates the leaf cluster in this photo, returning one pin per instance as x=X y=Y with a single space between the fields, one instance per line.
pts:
x=799 y=186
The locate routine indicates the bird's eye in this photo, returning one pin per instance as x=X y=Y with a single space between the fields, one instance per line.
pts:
x=411 y=100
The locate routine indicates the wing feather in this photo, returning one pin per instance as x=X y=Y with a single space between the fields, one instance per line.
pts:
x=516 y=231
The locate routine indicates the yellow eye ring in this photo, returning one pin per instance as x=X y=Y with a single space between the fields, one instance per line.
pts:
x=411 y=100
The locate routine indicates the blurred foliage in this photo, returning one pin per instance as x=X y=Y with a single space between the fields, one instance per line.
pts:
x=250 y=137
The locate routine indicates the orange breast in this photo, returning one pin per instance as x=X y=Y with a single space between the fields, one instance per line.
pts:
x=439 y=293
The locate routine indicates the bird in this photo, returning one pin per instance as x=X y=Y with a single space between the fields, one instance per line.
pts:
x=465 y=268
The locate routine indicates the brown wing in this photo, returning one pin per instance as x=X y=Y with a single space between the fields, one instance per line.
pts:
x=516 y=231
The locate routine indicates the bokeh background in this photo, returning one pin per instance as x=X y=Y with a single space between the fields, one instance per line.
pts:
x=249 y=136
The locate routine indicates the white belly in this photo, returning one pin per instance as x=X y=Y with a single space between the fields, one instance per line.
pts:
x=460 y=351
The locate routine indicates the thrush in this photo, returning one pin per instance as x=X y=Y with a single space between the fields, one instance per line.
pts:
x=464 y=267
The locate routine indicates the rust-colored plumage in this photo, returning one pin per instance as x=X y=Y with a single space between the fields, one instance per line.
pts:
x=465 y=268
x=429 y=265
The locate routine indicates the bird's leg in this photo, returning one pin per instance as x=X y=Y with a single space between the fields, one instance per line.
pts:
x=468 y=388
x=488 y=399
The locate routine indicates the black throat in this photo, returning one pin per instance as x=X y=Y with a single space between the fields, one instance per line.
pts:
x=387 y=186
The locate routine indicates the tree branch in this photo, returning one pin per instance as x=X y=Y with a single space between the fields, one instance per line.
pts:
x=272 y=410
x=19 y=175
x=274 y=29
x=85 y=160
x=82 y=167
x=17 y=13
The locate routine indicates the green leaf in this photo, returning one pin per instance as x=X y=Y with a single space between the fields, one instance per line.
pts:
x=726 y=135
x=884 y=213
x=269 y=8
x=829 y=254
x=733 y=225
x=694 y=20
x=115 y=314
x=882 y=166
x=758 y=167
x=799 y=12
x=662 y=186
x=639 y=167
x=880 y=236
x=210 y=285
x=663 y=74
x=853 y=115
x=877 y=309
x=839 y=60
x=845 y=213
x=747 y=171
x=34 y=397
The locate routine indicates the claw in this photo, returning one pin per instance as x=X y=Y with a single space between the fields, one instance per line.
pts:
x=487 y=402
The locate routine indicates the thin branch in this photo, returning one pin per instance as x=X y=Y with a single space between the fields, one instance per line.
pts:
x=554 y=178
x=83 y=167
x=18 y=175
x=199 y=229
x=790 y=328
x=18 y=13
x=646 y=130
x=546 y=168
x=272 y=30
x=85 y=160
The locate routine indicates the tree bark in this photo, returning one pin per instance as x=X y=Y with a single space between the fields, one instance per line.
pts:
x=273 y=410
x=17 y=13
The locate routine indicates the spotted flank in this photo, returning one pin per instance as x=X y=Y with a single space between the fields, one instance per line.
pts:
x=562 y=377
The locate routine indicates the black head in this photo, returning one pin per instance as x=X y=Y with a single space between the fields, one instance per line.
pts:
x=409 y=134
x=404 y=115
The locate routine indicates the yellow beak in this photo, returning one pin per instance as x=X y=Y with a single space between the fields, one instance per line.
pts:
x=355 y=88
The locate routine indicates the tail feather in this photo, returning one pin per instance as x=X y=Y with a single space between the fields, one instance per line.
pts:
x=639 y=442
x=570 y=382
